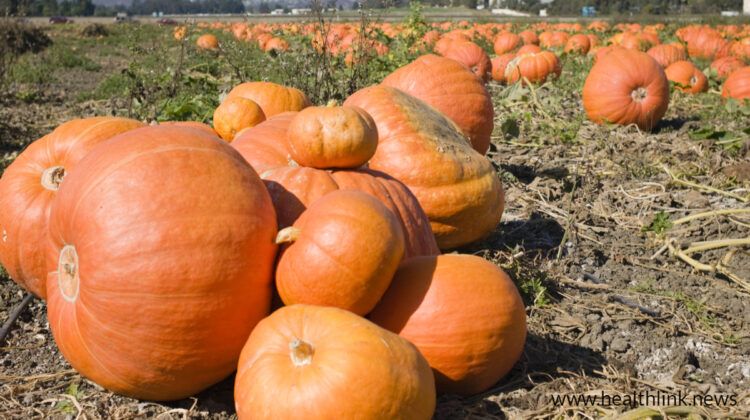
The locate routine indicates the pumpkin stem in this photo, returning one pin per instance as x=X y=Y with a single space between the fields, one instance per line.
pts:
x=639 y=94
x=52 y=177
x=301 y=352
x=332 y=103
x=288 y=234
x=67 y=273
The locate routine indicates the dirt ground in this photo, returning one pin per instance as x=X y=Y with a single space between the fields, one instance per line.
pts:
x=614 y=306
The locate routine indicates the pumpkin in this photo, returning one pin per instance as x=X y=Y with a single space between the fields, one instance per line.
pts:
x=342 y=251
x=737 y=85
x=277 y=45
x=535 y=68
x=498 y=66
x=326 y=363
x=687 y=77
x=724 y=66
x=626 y=87
x=265 y=145
x=161 y=251
x=666 y=54
x=551 y=40
x=470 y=55
x=578 y=44
x=463 y=313
x=272 y=98
x=236 y=114
x=506 y=42
x=456 y=186
x=207 y=42
x=332 y=137
x=705 y=44
x=443 y=83
x=529 y=37
x=29 y=185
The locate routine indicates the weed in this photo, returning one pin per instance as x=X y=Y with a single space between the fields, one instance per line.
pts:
x=659 y=224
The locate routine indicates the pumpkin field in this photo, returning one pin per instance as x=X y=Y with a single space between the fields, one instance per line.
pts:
x=375 y=218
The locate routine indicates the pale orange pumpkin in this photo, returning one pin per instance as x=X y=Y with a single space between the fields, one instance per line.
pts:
x=236 y=114
x=463 y=313
x=207 y=42
x=443 y=83
x=322 y=363
x=342 y=251
x=30 y=184
x=160 y=252
x=456 y=186
x=332 y=137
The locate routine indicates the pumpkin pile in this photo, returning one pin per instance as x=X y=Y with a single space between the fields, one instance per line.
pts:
x=297 y=244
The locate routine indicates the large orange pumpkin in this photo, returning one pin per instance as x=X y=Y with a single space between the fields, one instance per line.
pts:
x=499 y=64
x=456 y=186
x=161 y=251
x=725 y=66
x=506 y=42
x=29 y=185
x=272 y=98
x=207 y=42
x=578 y=44
x=666 y=54
x=626 y=87
x=463 y=313
x=737 y=85
x=332 y=137
x=342 y=252
x=687 y=77
x=443 y=84
x=265 y=146
x=322 y=363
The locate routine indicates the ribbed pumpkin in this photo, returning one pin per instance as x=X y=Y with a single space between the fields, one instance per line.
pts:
x=470 y=55
x=578 y=44
x=725 y=66
x=236 y=114
x=737 y=85
x=161 y=251
x=29 y=185
x=272 y=98
x=342 y=252
x=265 y=146
x=705 y=44
x=529 y=37
x=499 y=64
x=626 y=87
x=332 y=137
x=552 y=40
x=666 y=54
x=207 y=42
x=456 y=186
x=463 y=313
x=443 y=84
x=528 y=49
x=506 y=42
x=687 y=77
x=536 y=68
x=322 y=363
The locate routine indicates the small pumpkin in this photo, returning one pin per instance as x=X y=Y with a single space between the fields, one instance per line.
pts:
x=325 y=363
x=342 y=252
x=737 y=85
x=463 y=313
x=499 y=65
x=236 y=114
x=332 y=137
x=160 y=252
x=443 y=83
x=536 y=68
x=207 y=42
x=687 y=77
x=578 y=44
x=507 y=42
x=626 y=87
x=470 y=55
x=29 y=185
x=271 y=97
